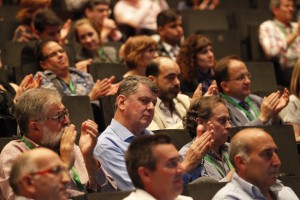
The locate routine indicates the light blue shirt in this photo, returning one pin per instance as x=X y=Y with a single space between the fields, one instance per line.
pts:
x=238 y=188
x=110 y=150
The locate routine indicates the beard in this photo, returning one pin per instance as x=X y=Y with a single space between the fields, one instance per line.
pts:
x=51 y=139
x=170 y=94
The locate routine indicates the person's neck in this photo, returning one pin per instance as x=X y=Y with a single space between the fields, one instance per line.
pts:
x=171 y=43
x=66 y=78
x=137 y=131
x=287 y=23
x=168 y=104
x=216 y=148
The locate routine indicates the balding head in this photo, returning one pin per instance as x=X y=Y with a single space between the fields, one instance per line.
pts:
x=253 y=154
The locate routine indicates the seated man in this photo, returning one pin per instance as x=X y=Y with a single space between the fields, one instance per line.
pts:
x=44 y=122
x=171 y=106
x=68 y=81
x=152 y=163
x=209 y=111
x=134 y=112
x=253 y=155
x=245 y=109
x=39 y=174
x=170 y=30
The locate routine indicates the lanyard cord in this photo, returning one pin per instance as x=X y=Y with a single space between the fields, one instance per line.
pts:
x=246 y=112
x=72 y=88
x=208 y=159
x=76 y=176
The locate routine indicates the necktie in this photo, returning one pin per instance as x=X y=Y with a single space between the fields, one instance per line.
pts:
x=244 y=105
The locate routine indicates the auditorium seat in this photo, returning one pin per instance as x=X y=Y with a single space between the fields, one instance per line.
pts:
x=179 y=137
x=107 y=109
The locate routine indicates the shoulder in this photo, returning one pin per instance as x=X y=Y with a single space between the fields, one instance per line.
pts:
x=268 y=23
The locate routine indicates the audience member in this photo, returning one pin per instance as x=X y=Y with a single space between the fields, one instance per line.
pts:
x=205 y=111
x=245 y=109
x=98 y=12
x=253 y=155
x=43 y=121
x=135 y=103
x=291 y=113
x=27 y=10
x=198 y=5
x=171 y=106
x=139 y=14
x=68 y=81
x=153 y=165
x=279 y=39
x=139 y=51
x=134 y=112
x=169 y=28
x=196 y=60
x=47 y=26
x=89 y=39
x=39 y=174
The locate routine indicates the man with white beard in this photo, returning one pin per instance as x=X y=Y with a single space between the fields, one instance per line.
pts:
x=44 y=122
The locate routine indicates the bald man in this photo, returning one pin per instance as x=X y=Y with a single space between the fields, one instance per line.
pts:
x=39 y=174
x=253 y=154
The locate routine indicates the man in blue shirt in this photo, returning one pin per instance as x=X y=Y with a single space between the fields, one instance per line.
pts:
x=253 y=155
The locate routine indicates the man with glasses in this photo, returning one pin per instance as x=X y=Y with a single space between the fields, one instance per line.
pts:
x=68 y=81
x=43 y=122
x=39 y=174
x=98 y=12
x=245 y=109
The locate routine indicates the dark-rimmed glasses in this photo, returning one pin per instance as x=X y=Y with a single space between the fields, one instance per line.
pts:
x=241 y=77
x=59 y=117
x=53 y=54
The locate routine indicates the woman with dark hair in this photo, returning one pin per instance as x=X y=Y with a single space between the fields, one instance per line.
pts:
x=197 y=61
x=27 y=10
x=139 y=51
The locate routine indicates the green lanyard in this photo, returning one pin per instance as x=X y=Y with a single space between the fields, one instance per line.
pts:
x=281 y=28
x=71 y=86
x=246 y=112
x=208 y=159
x=76 y=176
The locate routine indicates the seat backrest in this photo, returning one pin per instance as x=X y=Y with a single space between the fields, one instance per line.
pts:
x=224 y=42
x=284 y=137
x=179 y=137
x=3 y=75
x=7 y=29
x=12 y=53
x=256 y=51
x=203 y=190
x=196 y=20
x=107 y=109
x=106 y=70
x=80 y=110
x=263 y=78
x=6 y=140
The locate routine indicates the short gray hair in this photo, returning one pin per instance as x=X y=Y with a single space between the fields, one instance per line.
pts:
x=129 y=85
x=34 y=104
x=274 y=4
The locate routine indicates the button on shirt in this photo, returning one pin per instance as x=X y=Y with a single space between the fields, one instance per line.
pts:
x=110 y=151
x=240 y=189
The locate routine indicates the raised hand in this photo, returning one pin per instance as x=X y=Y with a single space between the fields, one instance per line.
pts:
x=268 y=106
x=67 y=146
x=283 y=101
x=198 y=149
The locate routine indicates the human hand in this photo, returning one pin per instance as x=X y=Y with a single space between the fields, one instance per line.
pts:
x=268 y=106
x=198 y=92
x=88 y=138
x=198 y=149
x=65 y=30
x=212 y=89
x=283 y=101
x=82 y=65
x=27 y=83
x=102 y=88
x=67 y=146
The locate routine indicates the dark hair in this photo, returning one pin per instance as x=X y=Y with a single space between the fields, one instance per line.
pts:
x=44 y=18
x=153 y=68
x=92 y=3
x=221 y=69
x=39 y=49
x=200 y=108
x=167 y=16
x=140 y=154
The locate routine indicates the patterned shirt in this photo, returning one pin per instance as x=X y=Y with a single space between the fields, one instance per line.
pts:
x=272 y=37
x=81 y=82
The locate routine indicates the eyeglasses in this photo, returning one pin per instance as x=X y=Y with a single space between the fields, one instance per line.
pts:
x=57 y=170
x=53 y=54
x=59 y=117
x=241 y=77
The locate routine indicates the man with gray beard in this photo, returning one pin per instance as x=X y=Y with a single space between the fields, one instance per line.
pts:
x=44 y=122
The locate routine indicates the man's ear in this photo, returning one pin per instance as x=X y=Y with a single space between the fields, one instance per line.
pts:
x=152 y=78
x=240 y=162
x=121 y=102
x=160 y=30
x=224 y=86
x=43 y=65
x=26 y=185
x=144 y=174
